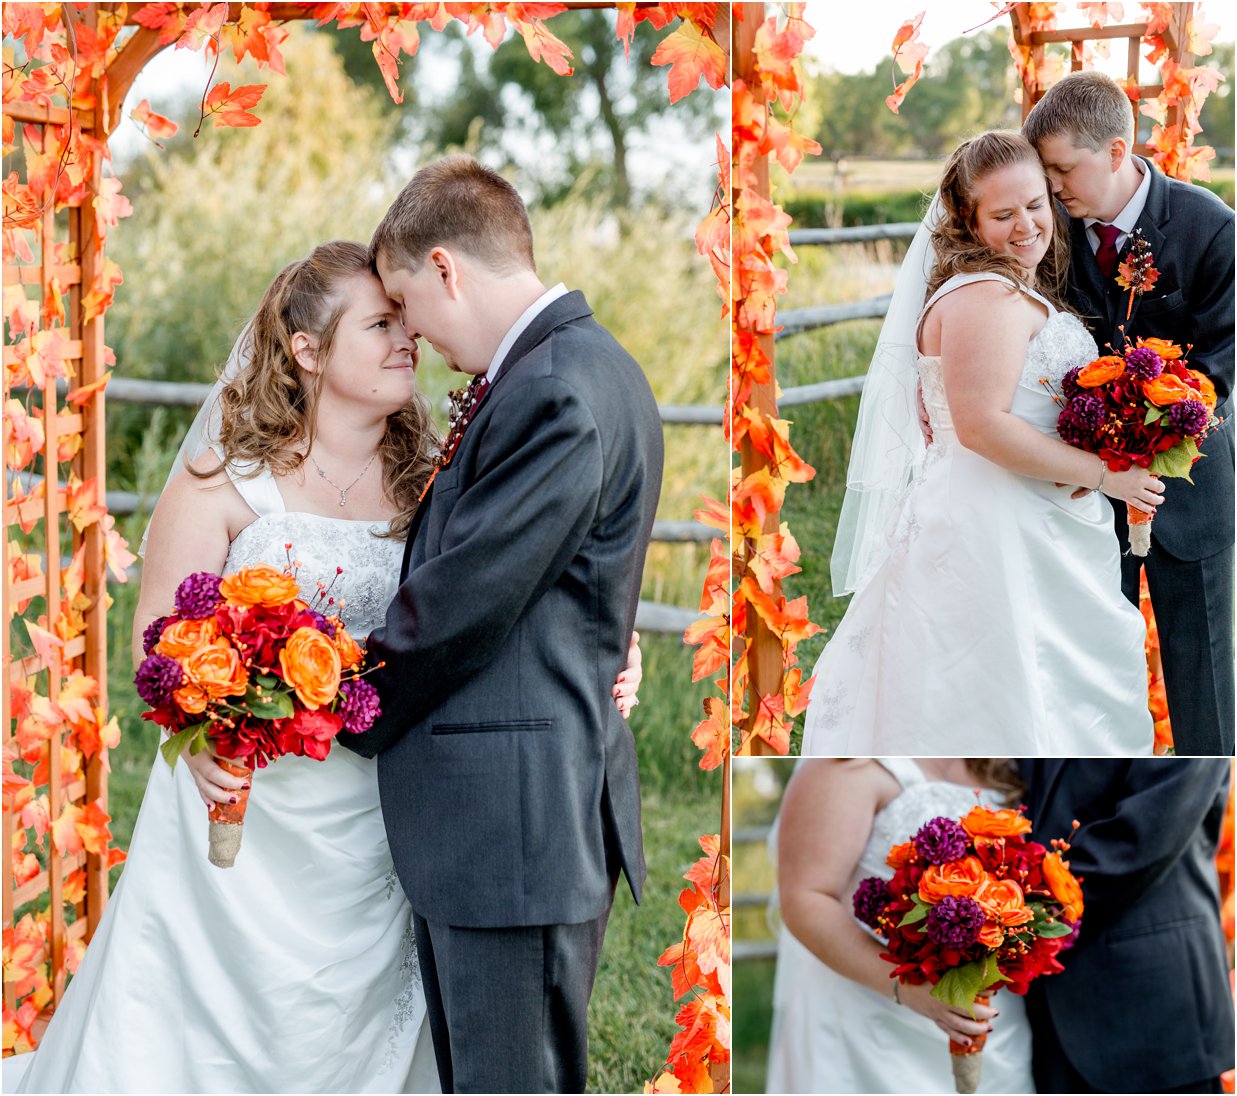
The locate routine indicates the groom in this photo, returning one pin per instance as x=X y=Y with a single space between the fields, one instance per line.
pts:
x=1083 y=129
x=1144 y=1003
x=507 y=776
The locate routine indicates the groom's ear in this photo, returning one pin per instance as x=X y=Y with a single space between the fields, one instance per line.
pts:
x=1118 y=152
x=446 y=270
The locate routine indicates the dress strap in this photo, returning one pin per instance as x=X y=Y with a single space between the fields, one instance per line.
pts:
x=959 y=280
x=260 y=492
x=903 y=769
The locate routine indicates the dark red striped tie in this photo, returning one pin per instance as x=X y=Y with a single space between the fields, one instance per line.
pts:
x=1106 y=256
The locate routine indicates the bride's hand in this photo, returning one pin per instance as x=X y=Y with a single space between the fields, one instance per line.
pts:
x=1135 y=486
x=954 y=1022
x=629 y=679
x=215 y=785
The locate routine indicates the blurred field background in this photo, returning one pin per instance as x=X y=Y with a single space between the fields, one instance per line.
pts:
x=881 y=168
x=215 y=218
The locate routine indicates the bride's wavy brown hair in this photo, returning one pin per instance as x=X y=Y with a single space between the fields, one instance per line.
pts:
x=1000 y=774
x=268 y=411
x=955 y=240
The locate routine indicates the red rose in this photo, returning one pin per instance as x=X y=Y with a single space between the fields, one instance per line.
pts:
x=308 y=733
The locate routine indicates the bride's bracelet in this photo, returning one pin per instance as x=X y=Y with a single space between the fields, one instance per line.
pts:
x=1103 y=474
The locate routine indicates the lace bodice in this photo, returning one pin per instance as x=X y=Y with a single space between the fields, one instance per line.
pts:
x=1060 y=345
x=921 y=799
x=370 y=564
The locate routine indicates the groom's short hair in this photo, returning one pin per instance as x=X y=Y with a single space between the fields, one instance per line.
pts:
x=1088 y=107
x=459 y=204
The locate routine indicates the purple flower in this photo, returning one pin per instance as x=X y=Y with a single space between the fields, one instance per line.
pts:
x=1187 y=417
x=197 y=597
x=1143 y=363
x=871 y=898
x=359 y=707
x=157 y=678
x=322 y=624
x=1087 y=410
x=941 y=840
x=153 y=633
x=955 y=922
x=1069 y=383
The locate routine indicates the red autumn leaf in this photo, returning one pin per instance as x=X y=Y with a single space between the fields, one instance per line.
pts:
x=231 y=107
x=712 y=734
x=908 y=54
x=46 y=645
x=92 y=828
x=202 y=26
x=712 y=636
x=692 y=55
x=776 y=557
x=777 y=60
x=64 y=831
x=116 y=551
x=98 y=299
x=167 y=19
x=704 y=872
x=83 y=394
x=84 y=505
x=1198 y=38
x=110 y=205
x=1099 y=15
x=1159 y=17
x=152 y=124
x=24 y=437
x=543 y=46
x=786 y=143
x=770 y=724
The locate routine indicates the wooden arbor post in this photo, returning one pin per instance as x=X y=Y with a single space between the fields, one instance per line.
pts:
x=1175 y=35
x=765 y=652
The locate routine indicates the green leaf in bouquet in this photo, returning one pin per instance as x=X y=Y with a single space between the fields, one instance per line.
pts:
x=916 y=915
x=960 y=986
x=1175 y=462
x=192 y=737
x=268 y=704
x=1051 y=930
x=1154 y=414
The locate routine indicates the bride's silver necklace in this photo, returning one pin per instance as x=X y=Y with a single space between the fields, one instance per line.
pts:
x=343 y=491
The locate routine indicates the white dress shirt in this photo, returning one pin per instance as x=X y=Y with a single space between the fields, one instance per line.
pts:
x=518 y=328
x=1128 y=217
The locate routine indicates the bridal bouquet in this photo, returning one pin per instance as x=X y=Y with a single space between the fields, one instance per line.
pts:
x=1143 y=407
x=974 y=904
x=245 y=666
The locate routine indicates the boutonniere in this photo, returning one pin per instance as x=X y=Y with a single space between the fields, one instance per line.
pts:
x=1137 y=273
x=464 y=403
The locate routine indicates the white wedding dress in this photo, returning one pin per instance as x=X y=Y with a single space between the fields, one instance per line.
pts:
x=295 y=970
x=993 y=619
x=831 y=1034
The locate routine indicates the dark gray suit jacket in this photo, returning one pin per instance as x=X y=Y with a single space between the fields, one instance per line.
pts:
x=1144 y=1003
x=1191 y=236
x=508 y=778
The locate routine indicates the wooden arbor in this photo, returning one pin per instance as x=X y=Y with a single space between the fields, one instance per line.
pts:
x=64 y=205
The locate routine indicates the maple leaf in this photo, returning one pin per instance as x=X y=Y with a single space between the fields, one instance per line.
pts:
x=92 y=829
x=21 y=313
x=712 y=734
x=771 y=436
x=543 y=46
x=110 y=205
x=167 y=19
x=692 y=55
x=776 y=54
x=776 y=557
x=786 y=143
x=1158 y=17
x=44 y=358
x=254 y=35
x=712 y=636
x=83 y=394
x=65 y=833
x=388 y=65
x=715 y=595
x=152 y=124
x=102 y=290
x=46 y=645
x=202 y=26
x=22 y=566
x=25 y=951
x=1198 y=38
x=30 y=22
x=704 y=872
x=908 y=55
x=24 y=437
x=685 y=973
x=1099 y=15
x=231 y=107
x=116 y=551
x=714 y=514
x=83 y=502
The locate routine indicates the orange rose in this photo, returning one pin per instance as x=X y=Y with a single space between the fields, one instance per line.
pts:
x=181 y=639
x=1169 y=351
x=191 y=698
x=260 y=584
x=961 y=878
x=350 y=653
x=1101 y=371
x=981 y=822
x=1064 y=886
x=901 y=855
x=991 y=935
x=1207 y=390
x=1003 y=903
x=216 y=668
x=311 y=665
x=1166 y=389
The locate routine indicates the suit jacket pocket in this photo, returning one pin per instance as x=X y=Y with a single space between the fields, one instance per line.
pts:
x=1177 y=923
x=491 y=726
x=1157 y=306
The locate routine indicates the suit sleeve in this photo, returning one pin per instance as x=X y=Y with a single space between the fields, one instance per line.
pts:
x=512 y=532
x=1122 y=853
x=1211 y=310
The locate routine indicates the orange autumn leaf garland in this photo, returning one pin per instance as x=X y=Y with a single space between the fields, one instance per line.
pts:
x=60 y=169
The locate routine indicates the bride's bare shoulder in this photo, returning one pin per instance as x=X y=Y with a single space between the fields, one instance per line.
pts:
x=201 y=495
x=852 y=777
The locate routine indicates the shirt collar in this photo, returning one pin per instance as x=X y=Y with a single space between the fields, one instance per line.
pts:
x=1128 y=217
x=520 y=326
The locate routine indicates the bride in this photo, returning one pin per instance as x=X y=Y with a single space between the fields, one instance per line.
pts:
x=987 y=607
x=837 y=1024
x=295 y=970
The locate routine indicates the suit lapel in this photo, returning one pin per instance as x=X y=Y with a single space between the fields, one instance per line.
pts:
x=1089 y=284
x=1050 y=772
x=1155 y=213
